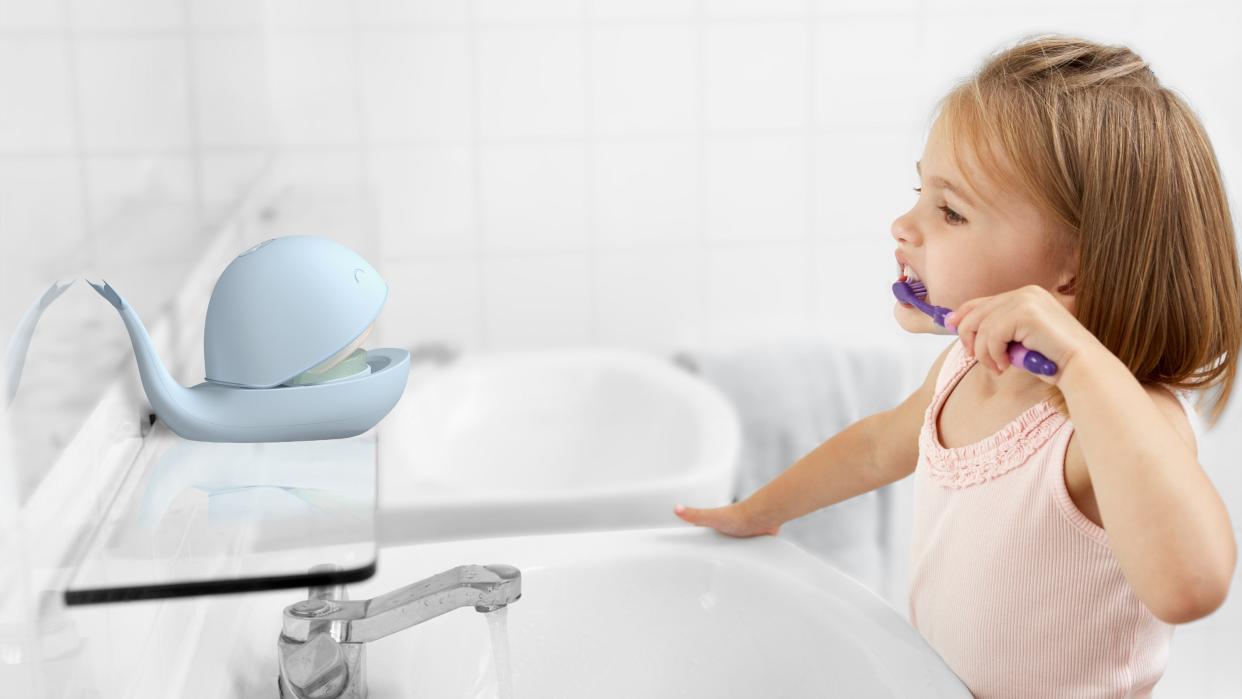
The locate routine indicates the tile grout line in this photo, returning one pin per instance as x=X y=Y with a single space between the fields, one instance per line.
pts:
x=731 y=134
x=79 y=140
x=193 y=123
x=476 y=170
x=590 y=158
x=814 y=314
x=369 y=206
x=451 y=26
x=698 y=337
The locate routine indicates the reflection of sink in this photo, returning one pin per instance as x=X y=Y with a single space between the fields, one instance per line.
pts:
x=653 y=613
x=552 y=440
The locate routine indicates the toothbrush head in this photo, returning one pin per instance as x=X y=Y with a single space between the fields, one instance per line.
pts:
x=913 y=293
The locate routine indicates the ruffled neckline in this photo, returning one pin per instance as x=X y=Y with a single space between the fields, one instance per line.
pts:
x=995 y=455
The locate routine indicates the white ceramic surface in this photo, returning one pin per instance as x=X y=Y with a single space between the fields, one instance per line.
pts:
x=552 y=440
x=652 y=613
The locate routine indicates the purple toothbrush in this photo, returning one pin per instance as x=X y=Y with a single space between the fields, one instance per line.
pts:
x=913 y=293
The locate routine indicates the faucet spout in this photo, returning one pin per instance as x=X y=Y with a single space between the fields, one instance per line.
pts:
x=323 y=641
x=484 y=587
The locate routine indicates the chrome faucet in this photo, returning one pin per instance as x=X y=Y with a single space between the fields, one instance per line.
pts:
x=322 y=646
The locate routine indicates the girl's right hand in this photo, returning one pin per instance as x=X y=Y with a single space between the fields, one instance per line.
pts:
x=734 y=520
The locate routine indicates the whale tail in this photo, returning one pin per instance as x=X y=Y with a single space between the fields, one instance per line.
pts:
x=171 y=401
x=105 y=290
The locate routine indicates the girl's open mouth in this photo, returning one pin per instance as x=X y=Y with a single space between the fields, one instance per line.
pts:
x=907 y=274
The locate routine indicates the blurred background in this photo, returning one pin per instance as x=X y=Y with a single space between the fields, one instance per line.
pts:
x=705 y=177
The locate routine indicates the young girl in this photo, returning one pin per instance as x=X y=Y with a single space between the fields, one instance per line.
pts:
x=1073 y=204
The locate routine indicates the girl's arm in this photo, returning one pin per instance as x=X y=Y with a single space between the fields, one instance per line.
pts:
x=1166 y=523
x=872 y=452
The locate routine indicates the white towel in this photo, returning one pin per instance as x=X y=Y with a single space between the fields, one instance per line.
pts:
x=791 y=397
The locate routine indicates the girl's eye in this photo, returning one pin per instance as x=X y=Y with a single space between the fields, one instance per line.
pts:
x=951 y=216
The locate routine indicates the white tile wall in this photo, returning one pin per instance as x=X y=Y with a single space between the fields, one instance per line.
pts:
x=533 y=197
x=93 y=15
x=529 y=10
x=42 y=195
x=388 y=12
x=643 y=9
x=34 y=73
x=651 y=296
x=651 y=90
x=869 y=72
x=416 y=85
x=134 y=92
x=22 y=15
x=443 y=299
x=230 y=76
x=754 y=290
x=538 y=299
x=313 y=88
x=307 y=14
x=645 y=193
x=142 y=209
x=226 y=14
x=531 y=81
x=755 y=75
x=755 y=187
x=425 y=200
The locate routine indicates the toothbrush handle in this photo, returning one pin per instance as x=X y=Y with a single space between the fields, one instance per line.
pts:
x=1019 y=354
x=1030 y=360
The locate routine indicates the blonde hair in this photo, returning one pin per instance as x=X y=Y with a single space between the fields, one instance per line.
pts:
x=1122 y=169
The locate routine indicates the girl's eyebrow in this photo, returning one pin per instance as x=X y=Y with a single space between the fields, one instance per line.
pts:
x=942 y=182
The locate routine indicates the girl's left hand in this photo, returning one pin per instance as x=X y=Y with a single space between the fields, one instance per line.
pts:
x=1030 y=315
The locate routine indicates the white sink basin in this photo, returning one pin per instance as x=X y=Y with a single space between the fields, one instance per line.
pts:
x=552 y=440
x=683 y=612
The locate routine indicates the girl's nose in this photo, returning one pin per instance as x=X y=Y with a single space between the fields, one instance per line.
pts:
x=904 y=231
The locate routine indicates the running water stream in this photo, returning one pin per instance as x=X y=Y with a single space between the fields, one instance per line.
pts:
x=497 y=624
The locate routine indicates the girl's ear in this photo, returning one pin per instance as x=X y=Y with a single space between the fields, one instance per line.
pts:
x=1068 y=286
x=1065 y=293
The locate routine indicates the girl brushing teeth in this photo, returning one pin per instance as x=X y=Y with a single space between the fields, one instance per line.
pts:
x=1062 y=522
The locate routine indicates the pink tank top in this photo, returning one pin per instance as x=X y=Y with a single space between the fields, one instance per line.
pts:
x=1011 y=584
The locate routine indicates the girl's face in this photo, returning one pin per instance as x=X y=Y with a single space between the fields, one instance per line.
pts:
x=964 y=243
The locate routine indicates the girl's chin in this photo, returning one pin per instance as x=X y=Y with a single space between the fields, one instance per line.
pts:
x=908 y=317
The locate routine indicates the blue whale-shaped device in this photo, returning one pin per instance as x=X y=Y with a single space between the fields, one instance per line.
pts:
x=282 y=345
